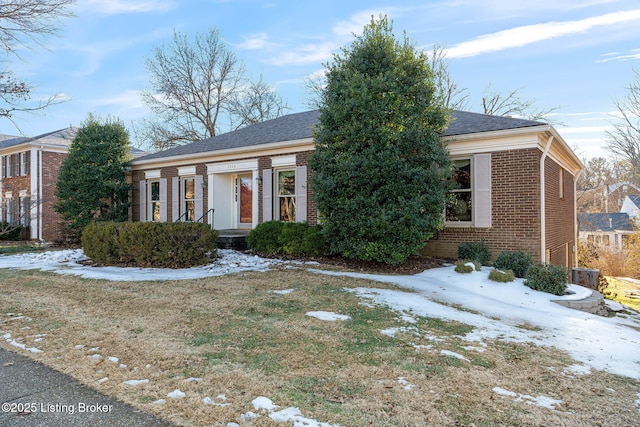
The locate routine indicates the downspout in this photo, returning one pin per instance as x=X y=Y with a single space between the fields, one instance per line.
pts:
x=543 y=210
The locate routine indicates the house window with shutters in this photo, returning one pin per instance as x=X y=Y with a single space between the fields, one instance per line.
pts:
x=459 y=205
x=469 y=202
x=286 y=195
x=188 y=196
x=154 y=201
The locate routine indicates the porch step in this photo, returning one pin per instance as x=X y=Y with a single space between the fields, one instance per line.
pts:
x=232 y=239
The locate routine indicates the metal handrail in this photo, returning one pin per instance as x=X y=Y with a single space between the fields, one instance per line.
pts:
x=205 y=214
x=183 y=215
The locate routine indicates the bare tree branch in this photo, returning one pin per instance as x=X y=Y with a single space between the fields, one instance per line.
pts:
x=22 y=24
x=513 y=104
x=624 y=139
x=195 y=85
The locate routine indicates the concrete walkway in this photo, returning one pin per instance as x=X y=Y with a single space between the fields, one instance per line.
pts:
x=33 y=395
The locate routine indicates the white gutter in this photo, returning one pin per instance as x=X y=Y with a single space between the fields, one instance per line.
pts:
x=543 y=210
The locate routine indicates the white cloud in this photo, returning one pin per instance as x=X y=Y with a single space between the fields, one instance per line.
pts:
x=255 y=42
x=528 y=34
x=306 y=54
x=356 y=22
x=128 y=99
x=111 y=7
x=631 y=55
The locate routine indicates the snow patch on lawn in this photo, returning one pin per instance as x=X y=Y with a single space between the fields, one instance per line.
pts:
x=328 y=316
x=542 y=401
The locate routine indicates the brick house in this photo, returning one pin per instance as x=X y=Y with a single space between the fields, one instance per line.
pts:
x=27 y=189
x=516 y=192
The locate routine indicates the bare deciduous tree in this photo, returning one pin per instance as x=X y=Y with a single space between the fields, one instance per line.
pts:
x=196 y=87
x=624 y=139
x=22 y=24
x=513 y=104
x=448 y=91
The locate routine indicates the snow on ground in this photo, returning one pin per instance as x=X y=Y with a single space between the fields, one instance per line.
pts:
x=513 y=312
x=69 y=262
x=510 y=311
x=328 y=316
x=544 y=401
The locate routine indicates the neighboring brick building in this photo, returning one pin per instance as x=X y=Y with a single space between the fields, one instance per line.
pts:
x=27 y=189
x=516 y=192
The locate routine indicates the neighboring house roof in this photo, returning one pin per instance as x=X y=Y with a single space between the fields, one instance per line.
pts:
x=613 y=187
x=635 y=199
x=58 y=137
x=605 y=222
x=299 y=126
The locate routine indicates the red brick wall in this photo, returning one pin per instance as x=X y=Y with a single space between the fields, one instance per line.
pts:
x=52 y=223
x=560 y=213
x=515 y=206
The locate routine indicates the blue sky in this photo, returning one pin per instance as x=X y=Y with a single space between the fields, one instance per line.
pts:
x=575 y=54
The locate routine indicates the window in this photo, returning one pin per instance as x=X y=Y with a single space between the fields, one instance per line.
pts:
x=286 y=195
x=12 y=162
x=561 y=179
x=4 y=166
x=10 y=211
x=188 y=202
x=459 y=205
x=26 y=162
x=154 y=201
x=19 y=164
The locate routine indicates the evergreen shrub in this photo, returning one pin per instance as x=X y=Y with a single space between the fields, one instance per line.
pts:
x=518 y=262
x=547 y=278
x=290 y=238
x=475 y=251
x=463 y=267
x=150 y=244
x=502 y=276
x=13 y=232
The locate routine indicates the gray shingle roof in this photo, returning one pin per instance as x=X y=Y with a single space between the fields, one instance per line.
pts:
x=635 y=199
x=298 y=126
x=605 y=222
x=58 y=137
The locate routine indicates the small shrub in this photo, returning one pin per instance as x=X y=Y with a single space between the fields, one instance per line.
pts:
x=291 y=237
x=314 y=243
x=13 y=232
x=502 y=276
x=475 y=251
x=264 y=238
x=547 y=278
x=463 y=267
x=518 y=262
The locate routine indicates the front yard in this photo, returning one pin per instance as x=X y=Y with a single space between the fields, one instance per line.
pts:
x=227 y=341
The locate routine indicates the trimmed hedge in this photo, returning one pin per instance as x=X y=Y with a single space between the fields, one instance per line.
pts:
x=290 y=238
x=475 y=251
x=518 y=262
x=150 y=244
x=547 y=278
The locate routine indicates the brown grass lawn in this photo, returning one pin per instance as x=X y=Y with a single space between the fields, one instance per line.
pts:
x=242 y=341
x=623 y=289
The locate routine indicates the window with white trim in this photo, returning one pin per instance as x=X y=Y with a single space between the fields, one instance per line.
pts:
x=26 y=163
x=154 y=201
x=286 y=195
x=188 y=198
x=460 y=203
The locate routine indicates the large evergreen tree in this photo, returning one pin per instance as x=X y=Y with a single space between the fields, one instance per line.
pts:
x=380 y=168
x=92 y=183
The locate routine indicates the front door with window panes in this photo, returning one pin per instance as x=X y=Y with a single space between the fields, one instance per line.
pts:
x=286 y=203
x=244 y=199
